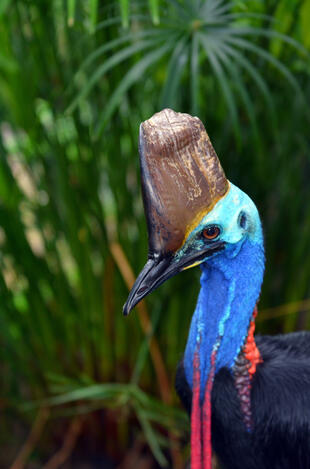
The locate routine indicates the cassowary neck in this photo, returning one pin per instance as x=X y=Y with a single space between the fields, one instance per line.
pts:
x=230 y=287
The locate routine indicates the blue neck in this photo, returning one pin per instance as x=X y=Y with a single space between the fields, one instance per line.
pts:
x=230 y=287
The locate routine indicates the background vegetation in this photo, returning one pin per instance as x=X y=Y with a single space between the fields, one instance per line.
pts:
x=80 y=383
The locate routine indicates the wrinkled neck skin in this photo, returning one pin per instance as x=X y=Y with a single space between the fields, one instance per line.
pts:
x=230 y=287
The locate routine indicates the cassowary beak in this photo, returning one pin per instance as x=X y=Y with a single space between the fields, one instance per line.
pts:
x=160 y=268
x=153 y=274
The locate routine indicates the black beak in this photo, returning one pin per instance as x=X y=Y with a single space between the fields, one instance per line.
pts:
x=160 y=268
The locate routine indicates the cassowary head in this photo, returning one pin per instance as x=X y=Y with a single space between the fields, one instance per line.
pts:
x=194 y=214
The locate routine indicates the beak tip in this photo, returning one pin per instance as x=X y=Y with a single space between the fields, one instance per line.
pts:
x=126 y=309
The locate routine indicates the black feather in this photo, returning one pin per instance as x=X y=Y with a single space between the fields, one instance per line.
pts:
x=280 y=403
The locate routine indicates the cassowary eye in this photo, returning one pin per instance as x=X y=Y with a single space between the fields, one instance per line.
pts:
x=211 y=232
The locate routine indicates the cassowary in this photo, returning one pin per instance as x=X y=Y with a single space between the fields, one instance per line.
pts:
x=254 y=394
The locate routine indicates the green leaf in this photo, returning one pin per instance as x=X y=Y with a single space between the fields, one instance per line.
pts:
x=124 y=4
x=3 y=6
x=118 y=20
x=151 y=438
x=176 y=65
x=144 y=347
x=304 y=22
x=210 y=51
x=253 y=72
x=253 y=31
x=134 y=74
x=8 y=64
x=114 y=60
x=269 y=58
x=195 y=75
x=154 y=9
x=238 y=83
x=71 y=12
x=106 y=47
x=94 y=392
x=109 y=22
x=215 y=8
x=93 y=14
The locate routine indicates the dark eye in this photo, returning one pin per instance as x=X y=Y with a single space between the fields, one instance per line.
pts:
x=242 y=220
x=211 y=232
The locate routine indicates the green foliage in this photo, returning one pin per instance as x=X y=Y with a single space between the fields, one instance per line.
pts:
x=211 y=35
x=76 y=80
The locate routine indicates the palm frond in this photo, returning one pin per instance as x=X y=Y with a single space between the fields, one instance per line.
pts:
x=212 y=56
x=253 y=72
x=135 y=73
x=213 y=25
x=244 y=44
x=114 y=60
x=194 y=83
x=176 y=65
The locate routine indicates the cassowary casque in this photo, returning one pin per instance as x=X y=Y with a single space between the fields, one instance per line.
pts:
x=249 y=398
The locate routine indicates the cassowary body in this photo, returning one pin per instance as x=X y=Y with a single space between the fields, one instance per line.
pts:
x=247 y=395
x=280 y=405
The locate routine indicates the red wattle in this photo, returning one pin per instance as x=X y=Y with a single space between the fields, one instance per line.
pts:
x=206 y=417
x=196 y=443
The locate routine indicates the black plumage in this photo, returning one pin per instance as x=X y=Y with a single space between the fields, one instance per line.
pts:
x=280 y=404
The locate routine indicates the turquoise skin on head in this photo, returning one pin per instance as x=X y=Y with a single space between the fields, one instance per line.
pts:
x=230 y=283
x=226 y=214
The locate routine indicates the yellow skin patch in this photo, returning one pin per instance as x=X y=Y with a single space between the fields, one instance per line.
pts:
x=192 y=265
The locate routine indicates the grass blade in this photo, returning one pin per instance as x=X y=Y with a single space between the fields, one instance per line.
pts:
x=151 y=438
x=145 y=349
x=124 y=5
x=93 y=14
x=71 y=12
x=154 y=9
